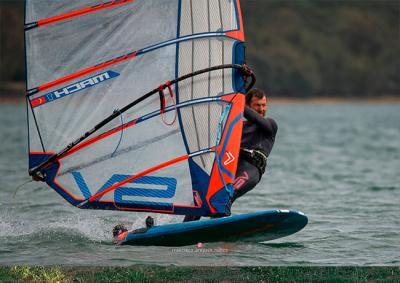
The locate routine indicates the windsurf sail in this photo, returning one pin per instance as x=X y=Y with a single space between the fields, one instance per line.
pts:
x=136 y=105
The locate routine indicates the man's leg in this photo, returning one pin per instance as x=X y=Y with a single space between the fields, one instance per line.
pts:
x=247 y=177
x=189 y=218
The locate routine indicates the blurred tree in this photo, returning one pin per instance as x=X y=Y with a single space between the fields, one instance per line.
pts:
x=11 y=41
x=318 y=48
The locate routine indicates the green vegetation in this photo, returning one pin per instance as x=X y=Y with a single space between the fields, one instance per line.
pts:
x=35 y=274
x=318 y=48
x=199 y=274
x=297 y=48
x=11 y=41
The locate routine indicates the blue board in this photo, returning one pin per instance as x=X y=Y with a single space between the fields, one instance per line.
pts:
x=257 y=227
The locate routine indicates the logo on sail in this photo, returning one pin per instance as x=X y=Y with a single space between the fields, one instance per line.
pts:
x=73 y=88
x=230 y=158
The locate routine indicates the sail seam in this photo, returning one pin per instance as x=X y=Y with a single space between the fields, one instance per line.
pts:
x=192 y=83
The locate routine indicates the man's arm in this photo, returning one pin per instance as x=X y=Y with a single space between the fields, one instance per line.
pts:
x=268 y=125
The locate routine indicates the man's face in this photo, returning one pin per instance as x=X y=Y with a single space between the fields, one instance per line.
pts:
x=259 y=105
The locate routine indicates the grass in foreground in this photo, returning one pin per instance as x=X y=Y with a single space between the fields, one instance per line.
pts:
x=199 y=274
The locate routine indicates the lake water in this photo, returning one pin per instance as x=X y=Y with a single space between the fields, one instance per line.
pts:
x=339 y=164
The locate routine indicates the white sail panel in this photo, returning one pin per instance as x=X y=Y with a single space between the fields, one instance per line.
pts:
x=68 y=46
x=108 y=129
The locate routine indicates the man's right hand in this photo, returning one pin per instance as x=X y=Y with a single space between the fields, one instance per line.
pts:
x=37 y=178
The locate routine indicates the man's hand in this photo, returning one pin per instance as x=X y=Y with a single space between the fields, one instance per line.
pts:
x=37 y=178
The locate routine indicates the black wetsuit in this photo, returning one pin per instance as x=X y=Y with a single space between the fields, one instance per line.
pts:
x=259 y=136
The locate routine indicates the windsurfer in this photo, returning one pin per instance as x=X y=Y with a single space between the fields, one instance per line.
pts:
x=120 y=231
x=258 y=138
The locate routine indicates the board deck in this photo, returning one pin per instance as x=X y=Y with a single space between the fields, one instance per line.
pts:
x=255 y=227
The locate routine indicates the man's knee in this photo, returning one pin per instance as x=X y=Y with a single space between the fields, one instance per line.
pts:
x=245 y=182
x=241 y=180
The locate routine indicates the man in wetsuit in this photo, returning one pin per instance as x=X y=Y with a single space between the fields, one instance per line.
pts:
x=258 y=138
x=120 y=231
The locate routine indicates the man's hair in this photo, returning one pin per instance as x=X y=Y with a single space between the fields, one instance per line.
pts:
x=255 y=92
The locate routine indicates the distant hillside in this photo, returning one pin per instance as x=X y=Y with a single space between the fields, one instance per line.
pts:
x=297 y=48
x=317 y=48
x=12 y=41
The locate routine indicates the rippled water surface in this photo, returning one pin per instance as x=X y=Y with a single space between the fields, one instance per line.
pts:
x=339 y=164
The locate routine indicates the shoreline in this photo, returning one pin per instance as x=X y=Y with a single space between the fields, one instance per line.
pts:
x=330 y=100
x=278 y=100
x=13 y=93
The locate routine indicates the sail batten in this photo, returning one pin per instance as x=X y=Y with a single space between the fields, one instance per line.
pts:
x=75 y=13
